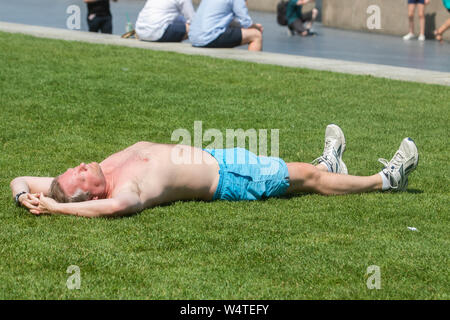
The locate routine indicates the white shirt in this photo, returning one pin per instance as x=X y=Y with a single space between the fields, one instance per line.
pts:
x=157 y=15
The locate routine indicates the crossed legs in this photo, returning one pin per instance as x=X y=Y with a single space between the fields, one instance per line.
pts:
x=330 y=176
x=252 y=37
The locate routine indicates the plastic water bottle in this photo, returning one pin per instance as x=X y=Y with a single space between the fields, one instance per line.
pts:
x=129 y=27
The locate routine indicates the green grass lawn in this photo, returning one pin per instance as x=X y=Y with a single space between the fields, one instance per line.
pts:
x=65 y=102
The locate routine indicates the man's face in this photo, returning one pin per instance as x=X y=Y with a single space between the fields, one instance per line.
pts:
x=87 y=177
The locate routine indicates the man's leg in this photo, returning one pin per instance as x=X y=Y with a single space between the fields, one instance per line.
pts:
x=176 y=31
x=421 y=12
x=326 y=176
x=411 y=10
x=334 y=148
x=93 y=23
x=310 y=17
x=252 y=37
x=444 y=27
x=298 y=27
x=107 y=25
x=230 y=38
x=304 y=177
x=439 y=32
x=186 y=36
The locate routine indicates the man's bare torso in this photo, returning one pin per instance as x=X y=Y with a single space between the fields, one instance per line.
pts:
x=161 y=173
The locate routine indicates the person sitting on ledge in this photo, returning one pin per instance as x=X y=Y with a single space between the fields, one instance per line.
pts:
x=212 y=26
x=164 y=20
x=148 y=174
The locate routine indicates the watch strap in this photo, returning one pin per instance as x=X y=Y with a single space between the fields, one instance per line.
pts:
x=18 y=196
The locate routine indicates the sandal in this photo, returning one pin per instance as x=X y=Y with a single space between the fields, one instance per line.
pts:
x=129 y=34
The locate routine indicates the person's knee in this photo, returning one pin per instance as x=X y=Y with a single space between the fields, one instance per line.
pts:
x=309 y=174
x=251 y=36
x=305 y=177
x=314 y=179
x=312 y=176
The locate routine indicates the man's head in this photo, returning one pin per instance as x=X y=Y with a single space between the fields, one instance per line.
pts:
x=84 y=182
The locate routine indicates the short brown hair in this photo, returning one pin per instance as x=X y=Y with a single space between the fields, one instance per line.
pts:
x=57 y=193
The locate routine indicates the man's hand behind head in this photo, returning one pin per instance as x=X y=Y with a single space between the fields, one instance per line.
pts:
x=44 y=205
x=29 y=201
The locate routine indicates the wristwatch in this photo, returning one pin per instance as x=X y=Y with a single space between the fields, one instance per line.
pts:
x=18 y=196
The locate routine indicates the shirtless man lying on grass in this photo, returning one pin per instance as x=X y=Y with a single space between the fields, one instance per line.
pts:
x=149 y=174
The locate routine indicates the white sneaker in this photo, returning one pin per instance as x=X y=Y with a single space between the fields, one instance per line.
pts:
x=421 y=38
x=409 y=36
x=333 y=150
x=402 y=164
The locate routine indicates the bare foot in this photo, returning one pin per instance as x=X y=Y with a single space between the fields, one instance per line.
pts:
x=438 y=36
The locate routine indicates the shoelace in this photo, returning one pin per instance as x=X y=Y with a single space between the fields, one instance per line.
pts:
x=395 y=162
x=327 y=150
x=328 y=146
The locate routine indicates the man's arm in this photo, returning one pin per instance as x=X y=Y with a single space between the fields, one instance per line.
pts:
x=29 y=186
x=241 y=12
x=126 y=203
x=187 y=10
x=303 y=2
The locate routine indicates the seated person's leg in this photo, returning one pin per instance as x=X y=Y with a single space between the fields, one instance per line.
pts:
x=310 y=17
x=176 y=31
x=298 y=27
x=230 y=38
x=291 y=29
x=252 y=37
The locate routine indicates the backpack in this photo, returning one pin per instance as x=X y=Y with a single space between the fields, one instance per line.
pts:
x=281 y=12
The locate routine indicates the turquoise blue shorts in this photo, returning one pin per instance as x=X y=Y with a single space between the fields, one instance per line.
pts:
x=246 y=176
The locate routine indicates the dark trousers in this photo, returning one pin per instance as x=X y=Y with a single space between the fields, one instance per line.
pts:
x=100 y=23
